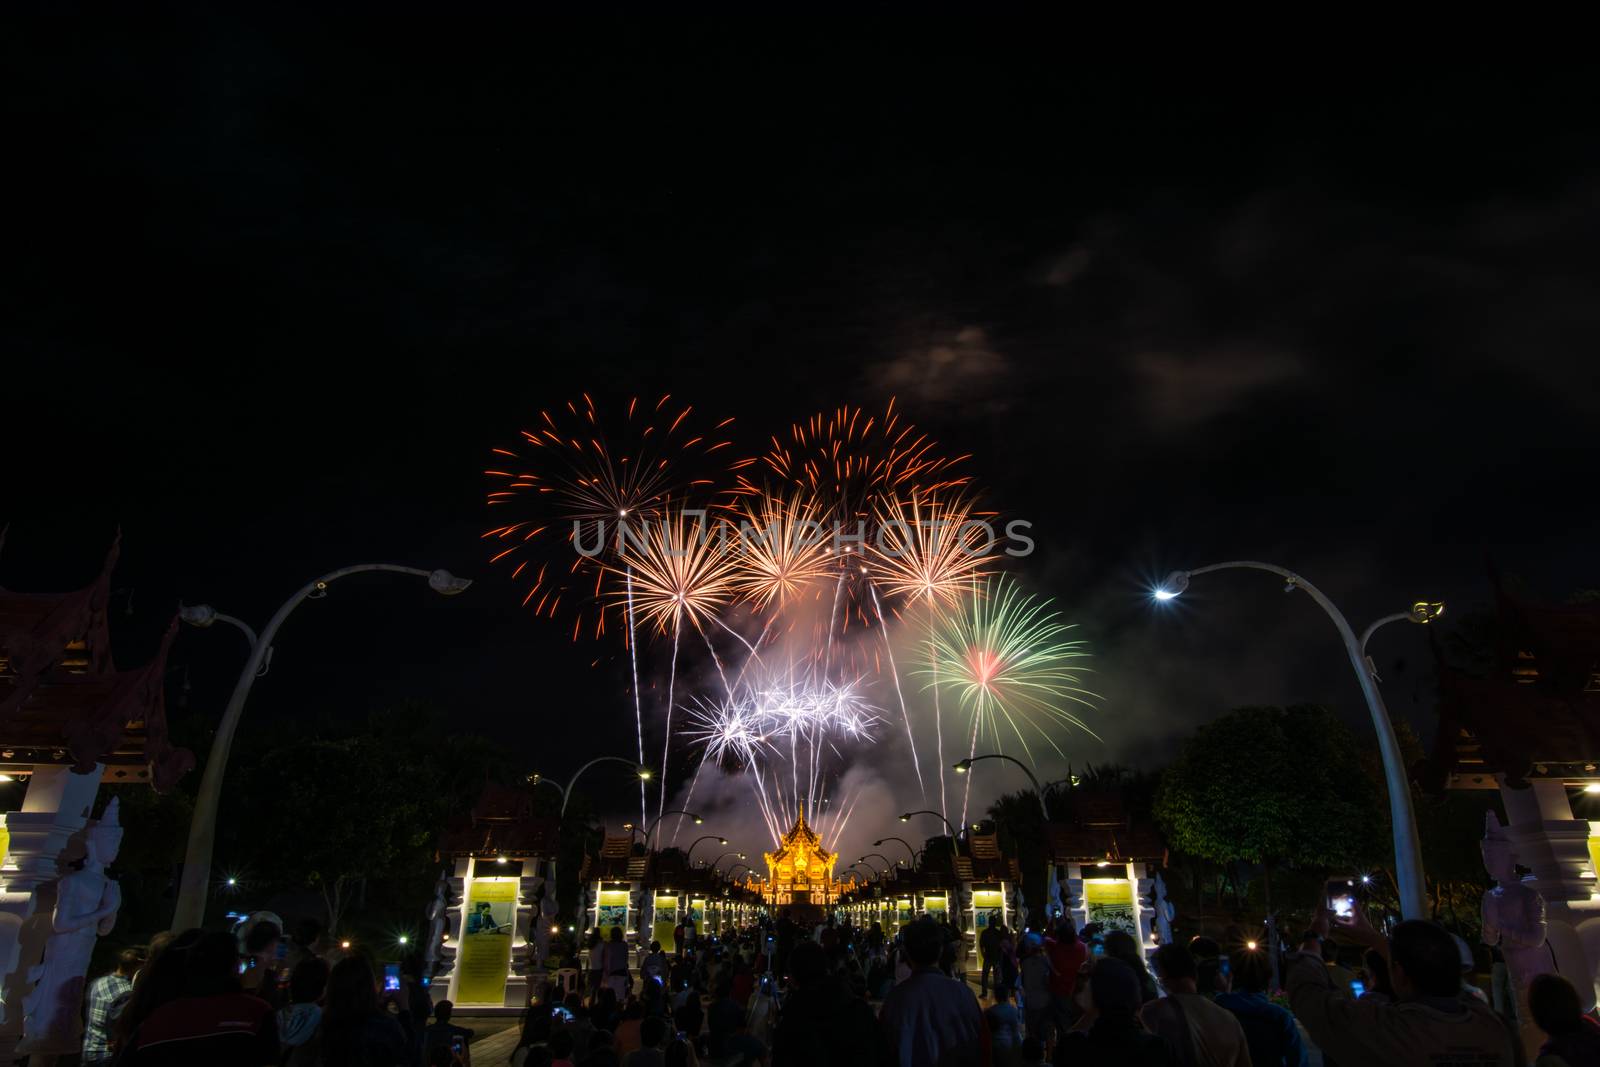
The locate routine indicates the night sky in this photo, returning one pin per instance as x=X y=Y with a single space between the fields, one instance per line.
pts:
x=276 y=289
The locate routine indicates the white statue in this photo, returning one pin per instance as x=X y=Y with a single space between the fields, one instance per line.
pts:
x=438 y=916
x=543 y=923
x=1165 y=912
x=1513 y=918
x=86 y=908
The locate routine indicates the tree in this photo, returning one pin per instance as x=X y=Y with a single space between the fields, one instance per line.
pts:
x=356 y=817
x=1272 y=786
x=1019 y=824
x=345 y=813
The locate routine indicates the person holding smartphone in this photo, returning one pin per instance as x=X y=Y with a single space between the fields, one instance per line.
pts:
x=1428 y=1022
x=444 y=1032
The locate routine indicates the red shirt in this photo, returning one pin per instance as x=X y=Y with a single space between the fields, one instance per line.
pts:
x=1066 y=960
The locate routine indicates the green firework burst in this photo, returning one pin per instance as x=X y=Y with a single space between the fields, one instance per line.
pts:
x=1006 y=656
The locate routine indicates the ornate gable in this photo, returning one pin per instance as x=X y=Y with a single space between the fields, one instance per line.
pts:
x=800 y=870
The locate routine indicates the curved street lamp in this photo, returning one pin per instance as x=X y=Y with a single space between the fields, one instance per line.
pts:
x=966 y=765
x=648 y=830
x=887 y=862
x=954 y=833
x=872 y=872
x=724 y=856
x=689 y=853
x=906 y=844
x=1407 y=846
x=196 y=876
x=639 y=769
x=644 y=773
x=736 y=866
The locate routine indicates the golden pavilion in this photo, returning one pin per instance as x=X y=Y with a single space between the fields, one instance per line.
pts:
x=801 y=870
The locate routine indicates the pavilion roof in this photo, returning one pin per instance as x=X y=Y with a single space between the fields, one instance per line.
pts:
x=1536 y=712
x=615 y=862
x=1099 y=827
x=62 y=699
x=502 y=823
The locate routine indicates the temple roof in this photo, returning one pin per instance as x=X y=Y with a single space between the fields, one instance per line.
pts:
x=62 y=699
x=1098 y=827
x=800 y=835
x=502 y=823
x=1535 y=712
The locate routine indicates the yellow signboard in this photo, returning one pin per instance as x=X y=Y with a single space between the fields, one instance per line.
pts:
x=484 y=958
x=697 y=914
x=937 y=907
x=666 y=920
x=988 y=905
x=1109 y=902
x=612 y=912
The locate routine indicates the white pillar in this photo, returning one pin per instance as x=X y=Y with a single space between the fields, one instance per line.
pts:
x=1547 y=840
x=45 y=835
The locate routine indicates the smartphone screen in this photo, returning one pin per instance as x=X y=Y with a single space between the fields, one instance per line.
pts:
x=1357 y=988
x=1342 y=905
x=391 y=977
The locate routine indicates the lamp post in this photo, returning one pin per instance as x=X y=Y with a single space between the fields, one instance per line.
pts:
x=689 y=855
x=640 y=770
x=872 y=872
x=724 y=856
x=196 y=876
x=735 y=867
x=675 y=811
x=1407 y=847
x=966 y=765
x=954 y=833
x=887 y=863
x=904 y=843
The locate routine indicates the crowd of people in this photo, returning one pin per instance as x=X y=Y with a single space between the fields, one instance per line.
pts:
x=782 y=994
x=203 y=998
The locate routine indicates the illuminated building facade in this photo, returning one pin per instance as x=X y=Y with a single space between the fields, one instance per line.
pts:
x=801 y=871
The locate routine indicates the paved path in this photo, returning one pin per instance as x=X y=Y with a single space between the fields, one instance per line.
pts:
x=496 y=1049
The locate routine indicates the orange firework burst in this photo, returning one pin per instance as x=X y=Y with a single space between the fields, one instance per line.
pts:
x=578 y=472
x=851 y=461
x=929 y=551
x=675 y=569
x=781 y=552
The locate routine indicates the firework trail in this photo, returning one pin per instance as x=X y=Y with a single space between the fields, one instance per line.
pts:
x=577 y=469
x=894 y=671
x=748 y=733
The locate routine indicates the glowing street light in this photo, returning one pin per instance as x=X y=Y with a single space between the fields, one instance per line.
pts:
x=954 y=833
x=904 y=844
x=1407 y=846
x=640 y=771
x=689 y=853
x=698 y=821
x=966 y=765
